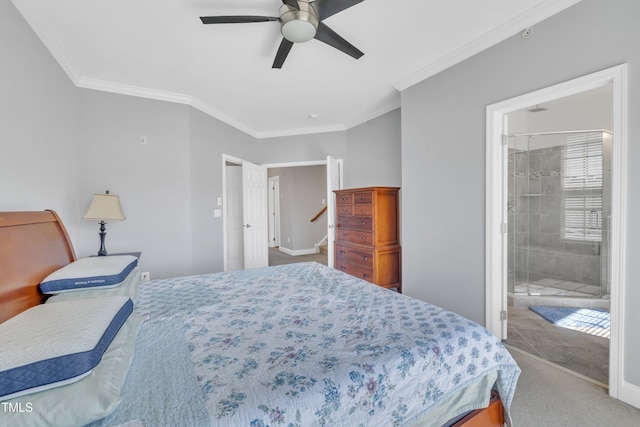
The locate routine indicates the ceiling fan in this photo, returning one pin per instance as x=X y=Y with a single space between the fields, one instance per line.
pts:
x=300 y=21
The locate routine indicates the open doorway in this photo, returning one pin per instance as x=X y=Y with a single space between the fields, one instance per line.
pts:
x=498 y=206
x=558 y=224
x=303 y=211
x=277 y=237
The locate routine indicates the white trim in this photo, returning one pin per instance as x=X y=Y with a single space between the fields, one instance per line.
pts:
x=296 y=252
x=338 y=127
x=630 y=394
x=537 y=14
x=495 y=206
x=137 y=91
x=179 y=98
x=618 y=233
x=384 y=109
x=295 y=164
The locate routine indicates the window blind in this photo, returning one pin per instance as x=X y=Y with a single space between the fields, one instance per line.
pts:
x=582 y=187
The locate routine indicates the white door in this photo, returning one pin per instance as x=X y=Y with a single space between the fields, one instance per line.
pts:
x=334 y=182
x=255 y=215
x=233 y=211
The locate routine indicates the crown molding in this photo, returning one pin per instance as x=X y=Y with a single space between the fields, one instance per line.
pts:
x=534 y=15
x=393 y=105
x=143 y=92
x=499 y=34
x=302 y=131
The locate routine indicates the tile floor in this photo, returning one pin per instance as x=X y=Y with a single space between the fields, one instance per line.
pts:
x=577 y=351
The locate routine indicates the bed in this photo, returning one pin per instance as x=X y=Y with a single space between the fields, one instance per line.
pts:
x=292 y=345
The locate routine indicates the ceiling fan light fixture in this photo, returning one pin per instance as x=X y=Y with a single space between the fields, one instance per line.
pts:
x=298 y=25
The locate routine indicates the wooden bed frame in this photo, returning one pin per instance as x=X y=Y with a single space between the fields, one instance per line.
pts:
x=34 y=244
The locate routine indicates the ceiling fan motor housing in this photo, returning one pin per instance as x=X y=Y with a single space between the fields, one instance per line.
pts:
x=298 y=25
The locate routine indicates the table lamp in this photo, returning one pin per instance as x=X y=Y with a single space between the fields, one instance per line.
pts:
x=104 y=207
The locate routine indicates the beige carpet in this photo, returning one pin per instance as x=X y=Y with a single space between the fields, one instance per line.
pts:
x=547 y=396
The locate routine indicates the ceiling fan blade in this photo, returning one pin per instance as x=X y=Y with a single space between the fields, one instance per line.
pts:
x=330 y=37
x=327 y=8
x=235 y=19
x=283 y=51
x=292 y=3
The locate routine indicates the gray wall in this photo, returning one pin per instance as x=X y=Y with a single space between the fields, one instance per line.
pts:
x=443 y=151
x=210 y=138
x=152 y=180
x=373 y=153
x=302 y=148
x=39 y=156
x=302 y=190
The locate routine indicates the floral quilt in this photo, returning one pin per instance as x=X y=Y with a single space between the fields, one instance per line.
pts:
x=307 y=345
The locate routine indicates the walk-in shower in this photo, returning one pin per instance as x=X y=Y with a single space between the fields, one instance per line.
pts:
x=559 y=208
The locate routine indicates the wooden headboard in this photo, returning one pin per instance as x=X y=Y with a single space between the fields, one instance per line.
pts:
x=32 y=245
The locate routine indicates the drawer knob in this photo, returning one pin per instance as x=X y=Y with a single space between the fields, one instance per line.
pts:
x=363 y=237
x=364 y=223
x=342 y=267
x=362 y=210
x=365 y=275
x=365 y=258
x=342 y=252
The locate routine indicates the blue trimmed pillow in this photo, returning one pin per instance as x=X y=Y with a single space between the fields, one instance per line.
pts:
x=92 y=398
x=130 y=287
x=50 y=345
x=89 y=273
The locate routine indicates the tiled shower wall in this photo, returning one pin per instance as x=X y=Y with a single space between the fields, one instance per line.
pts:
x=536 y=248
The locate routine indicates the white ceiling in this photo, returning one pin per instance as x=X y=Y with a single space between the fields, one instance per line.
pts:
x=159 y=49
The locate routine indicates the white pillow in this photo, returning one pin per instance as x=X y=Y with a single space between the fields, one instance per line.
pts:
x=92 y=398
x=88 y=273
x=53 y=344
x=130 y=287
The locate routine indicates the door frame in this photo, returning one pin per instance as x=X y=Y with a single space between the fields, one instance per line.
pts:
x=496 y=210
x=274 y=211
x=238 y=161
x=313 y=163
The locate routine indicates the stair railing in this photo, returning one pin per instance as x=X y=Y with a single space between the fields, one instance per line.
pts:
x=323 y=210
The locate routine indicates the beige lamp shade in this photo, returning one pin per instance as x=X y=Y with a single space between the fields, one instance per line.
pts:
x=105 y=207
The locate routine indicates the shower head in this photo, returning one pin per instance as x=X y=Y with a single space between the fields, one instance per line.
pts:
x=537 y=109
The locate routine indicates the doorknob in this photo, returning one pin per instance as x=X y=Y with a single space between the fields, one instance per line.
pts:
x=246 y=225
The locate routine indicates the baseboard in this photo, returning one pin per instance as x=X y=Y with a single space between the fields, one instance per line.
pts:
x=630 y=394
x=296 y=252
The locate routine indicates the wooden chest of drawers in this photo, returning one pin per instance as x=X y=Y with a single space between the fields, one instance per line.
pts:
x=367 y=235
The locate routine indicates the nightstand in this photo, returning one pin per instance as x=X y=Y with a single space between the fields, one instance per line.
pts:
x=135 y=254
